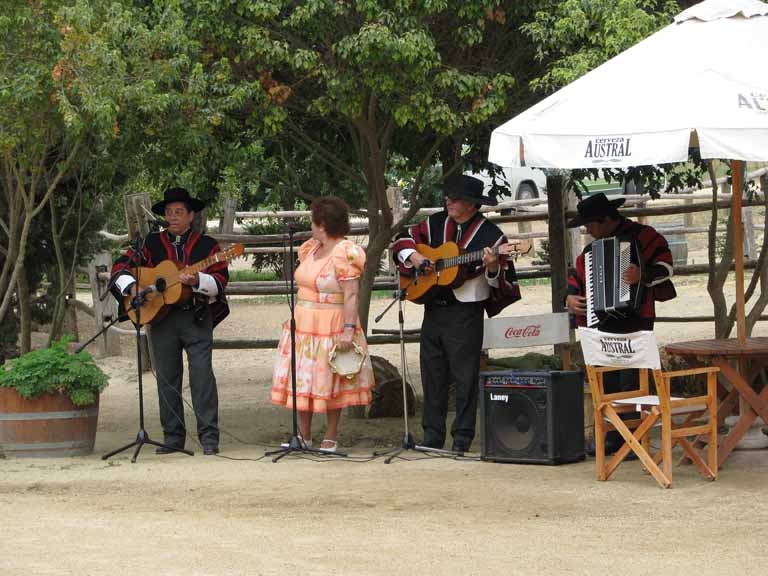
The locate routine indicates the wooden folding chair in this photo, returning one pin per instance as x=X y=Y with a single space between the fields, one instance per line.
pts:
x=654 y=410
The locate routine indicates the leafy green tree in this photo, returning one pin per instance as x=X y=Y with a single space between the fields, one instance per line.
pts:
x=573 y=37
x=94 y=97
x=352 y=84
x=36 y=153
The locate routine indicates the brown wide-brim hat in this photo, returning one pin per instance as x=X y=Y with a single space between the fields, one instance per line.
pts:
x=172 y=195
x=467 y=188
x=595 y=208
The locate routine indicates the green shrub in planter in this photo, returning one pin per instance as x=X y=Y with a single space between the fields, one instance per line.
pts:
x=55 y=370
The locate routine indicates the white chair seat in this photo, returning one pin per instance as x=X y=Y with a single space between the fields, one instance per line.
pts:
x=640 y=401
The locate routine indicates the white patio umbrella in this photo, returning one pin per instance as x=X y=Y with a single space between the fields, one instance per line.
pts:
x=700 y=81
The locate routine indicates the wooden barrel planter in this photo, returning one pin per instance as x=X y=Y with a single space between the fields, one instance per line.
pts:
x=47 y=426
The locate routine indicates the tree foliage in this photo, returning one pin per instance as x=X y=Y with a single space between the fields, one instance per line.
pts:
x=84 y=89
x=350 y=85
x=574 y=36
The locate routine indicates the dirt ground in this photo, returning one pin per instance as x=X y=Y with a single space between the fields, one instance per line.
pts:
x=240 y=514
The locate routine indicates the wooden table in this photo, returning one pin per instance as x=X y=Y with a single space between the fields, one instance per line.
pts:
x=740 y=364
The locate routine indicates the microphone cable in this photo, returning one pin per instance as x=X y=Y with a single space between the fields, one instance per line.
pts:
x=313 y=457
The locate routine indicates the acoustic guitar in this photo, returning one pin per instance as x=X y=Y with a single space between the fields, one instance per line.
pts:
x=446 y=260
x=163 y=288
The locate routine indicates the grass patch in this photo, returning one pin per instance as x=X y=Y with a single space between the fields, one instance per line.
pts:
x=251 y=275
x=534 y=281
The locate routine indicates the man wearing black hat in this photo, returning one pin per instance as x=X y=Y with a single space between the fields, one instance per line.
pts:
x=602 y=219
x=187 y=326
x=452 y=329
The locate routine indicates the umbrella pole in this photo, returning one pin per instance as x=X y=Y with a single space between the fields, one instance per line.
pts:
x=737 y=187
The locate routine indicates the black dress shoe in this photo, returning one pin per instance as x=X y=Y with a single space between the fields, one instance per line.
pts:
x=210 y=450
x=459 y=448
x=168 y=450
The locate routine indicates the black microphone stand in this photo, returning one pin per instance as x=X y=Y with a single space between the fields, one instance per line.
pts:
x=84 y=345
x=408 y=442
x=142 y=437
x=295 y=445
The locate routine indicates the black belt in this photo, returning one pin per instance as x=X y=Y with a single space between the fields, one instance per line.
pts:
x=442 y=303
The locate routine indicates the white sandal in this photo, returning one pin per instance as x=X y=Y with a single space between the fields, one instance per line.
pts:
x=331 y=448
x=303 y=443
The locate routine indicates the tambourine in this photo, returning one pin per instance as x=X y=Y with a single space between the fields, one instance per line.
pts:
x=347 y=363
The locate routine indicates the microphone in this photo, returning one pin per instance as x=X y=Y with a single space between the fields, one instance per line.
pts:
x=155 y=219
x=158 y=286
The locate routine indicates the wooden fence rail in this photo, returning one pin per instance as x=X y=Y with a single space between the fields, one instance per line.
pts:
x=636 y=207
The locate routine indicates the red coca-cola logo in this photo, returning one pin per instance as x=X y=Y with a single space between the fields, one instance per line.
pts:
x=529 y=331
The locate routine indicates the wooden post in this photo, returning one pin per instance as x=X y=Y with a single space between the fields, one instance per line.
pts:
x=737 y=189
x=227 y=220
x=688 y=217
x=557 y=240
x=200 y=223
x=642 y=219
x=136 y=217
x=524 y=228
x=104 y=310
x=558 y=249
x=138 y=208
x=575 y=240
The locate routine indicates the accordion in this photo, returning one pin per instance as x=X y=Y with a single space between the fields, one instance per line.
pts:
x=608 y=295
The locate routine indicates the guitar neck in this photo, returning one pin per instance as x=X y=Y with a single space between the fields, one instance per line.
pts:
x=210 y=261
x=465 y=258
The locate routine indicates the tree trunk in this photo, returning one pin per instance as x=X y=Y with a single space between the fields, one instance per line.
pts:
x=718 y=271
x=61 y=284
x=25 y=310
x=69 y=326
x=19 y=195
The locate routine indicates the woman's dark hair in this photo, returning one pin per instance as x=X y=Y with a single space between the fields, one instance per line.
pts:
x=332 y=214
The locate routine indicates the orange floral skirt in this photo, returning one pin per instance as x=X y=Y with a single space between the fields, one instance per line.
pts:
x=318 y=388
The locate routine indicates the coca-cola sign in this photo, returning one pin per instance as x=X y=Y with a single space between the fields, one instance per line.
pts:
x=530 y=331
x=526 y=331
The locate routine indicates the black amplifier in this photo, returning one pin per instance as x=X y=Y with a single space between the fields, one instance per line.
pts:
x=534 y=417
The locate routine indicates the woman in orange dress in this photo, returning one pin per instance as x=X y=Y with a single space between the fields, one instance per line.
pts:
x=326 y=316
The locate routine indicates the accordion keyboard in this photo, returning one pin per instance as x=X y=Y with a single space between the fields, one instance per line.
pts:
x=591 y=315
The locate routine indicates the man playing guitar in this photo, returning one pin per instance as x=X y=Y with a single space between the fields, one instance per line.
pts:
x=187 y=325
x=452 y=329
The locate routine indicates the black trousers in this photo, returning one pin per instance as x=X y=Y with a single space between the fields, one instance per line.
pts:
x=178 y=332
x=451 y=340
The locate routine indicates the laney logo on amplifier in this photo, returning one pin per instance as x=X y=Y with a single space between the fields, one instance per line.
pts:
x=500 y=397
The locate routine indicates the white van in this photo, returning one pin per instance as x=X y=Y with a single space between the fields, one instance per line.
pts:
x=523 y=182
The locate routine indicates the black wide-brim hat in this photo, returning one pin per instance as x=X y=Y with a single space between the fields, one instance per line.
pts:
x=467 y=188
x=172 y=195
x=595 y=208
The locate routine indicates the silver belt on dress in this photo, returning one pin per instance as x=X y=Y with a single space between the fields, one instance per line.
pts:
x=320 y=305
